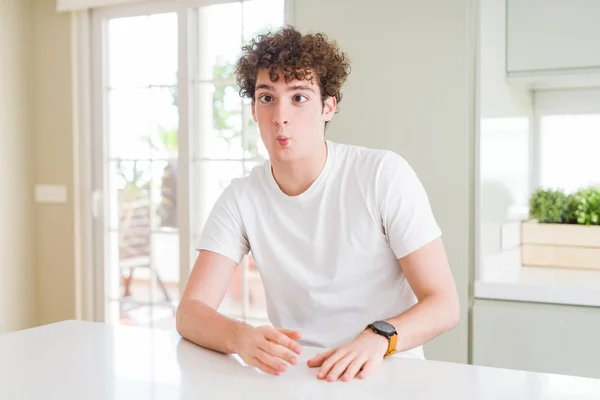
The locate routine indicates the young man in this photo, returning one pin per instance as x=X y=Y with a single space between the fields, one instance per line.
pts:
x=349 y=251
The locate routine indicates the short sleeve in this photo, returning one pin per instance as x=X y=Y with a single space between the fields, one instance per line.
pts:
x=223 y=232
x=406 y=213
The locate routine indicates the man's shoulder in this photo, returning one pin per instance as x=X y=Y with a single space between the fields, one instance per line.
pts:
x=367 y=158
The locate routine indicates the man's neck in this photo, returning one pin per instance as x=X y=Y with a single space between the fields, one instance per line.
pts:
x=295 y=178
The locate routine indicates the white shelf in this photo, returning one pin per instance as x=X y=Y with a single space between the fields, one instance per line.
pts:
x=502 y=277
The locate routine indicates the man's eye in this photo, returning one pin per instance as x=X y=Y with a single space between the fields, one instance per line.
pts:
x=265 y=98
x=299 y=98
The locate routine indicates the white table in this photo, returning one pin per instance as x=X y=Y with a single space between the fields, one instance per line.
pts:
x=83 y=360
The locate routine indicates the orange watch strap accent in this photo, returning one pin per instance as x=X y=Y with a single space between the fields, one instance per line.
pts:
x=392 y=345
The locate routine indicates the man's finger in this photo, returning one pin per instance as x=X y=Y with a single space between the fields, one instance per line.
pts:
x=281 y=339
x=279 y=351
x=271 y=361
x=367 y=368
x=353 y=368
x=330 y=362
x=317 y=360
x=264 y=367
x=289 y=333
x=340 y=367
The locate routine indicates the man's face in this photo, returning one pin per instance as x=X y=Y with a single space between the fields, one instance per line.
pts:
x=290 y=116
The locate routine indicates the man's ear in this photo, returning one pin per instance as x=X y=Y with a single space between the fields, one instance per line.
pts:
x=253 y=111
x=329 y=108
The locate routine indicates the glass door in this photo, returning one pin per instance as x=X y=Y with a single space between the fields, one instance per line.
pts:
x=171 y=131
x=137 y=160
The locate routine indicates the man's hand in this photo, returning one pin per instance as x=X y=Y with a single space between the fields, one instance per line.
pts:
x=265 y=347
x=359 y=357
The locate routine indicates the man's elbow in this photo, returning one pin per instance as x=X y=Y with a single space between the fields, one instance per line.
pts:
x=179 y=319
x=452 y=312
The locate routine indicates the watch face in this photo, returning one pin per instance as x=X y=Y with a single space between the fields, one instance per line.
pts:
x=384 y=327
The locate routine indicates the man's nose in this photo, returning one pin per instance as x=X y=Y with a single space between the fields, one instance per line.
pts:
x=281 y=116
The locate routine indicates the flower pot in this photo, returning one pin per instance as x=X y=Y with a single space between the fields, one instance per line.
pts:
x=560 y=245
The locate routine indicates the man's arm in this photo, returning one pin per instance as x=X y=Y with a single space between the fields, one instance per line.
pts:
x=197 y=319
x=429 y=275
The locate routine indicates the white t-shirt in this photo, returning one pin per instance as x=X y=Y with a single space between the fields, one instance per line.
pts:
x=328 y=257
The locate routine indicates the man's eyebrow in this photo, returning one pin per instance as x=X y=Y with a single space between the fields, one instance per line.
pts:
x=300 y=87
x=264 y=86
x=289 y=89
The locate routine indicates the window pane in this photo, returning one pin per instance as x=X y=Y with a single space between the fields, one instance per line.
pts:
x=569 y=151
x=130 y=249
x=163 y=117
x=164 y=195
x=219 y=39
x=163 y=55
x=129 y=204
x=143 y=123
x=218 y=122
x=142 y=50
x=261 y=16
x=129 y=125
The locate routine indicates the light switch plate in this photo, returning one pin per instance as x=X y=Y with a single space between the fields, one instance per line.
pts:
x=50 y=194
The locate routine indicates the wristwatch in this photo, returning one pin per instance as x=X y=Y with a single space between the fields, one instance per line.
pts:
x=388 y=331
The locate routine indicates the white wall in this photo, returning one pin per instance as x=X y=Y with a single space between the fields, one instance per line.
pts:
x=17 y=284
x=504 y=131
x=411 y=90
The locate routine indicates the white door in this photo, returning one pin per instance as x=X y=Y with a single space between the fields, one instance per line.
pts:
x=170 y=133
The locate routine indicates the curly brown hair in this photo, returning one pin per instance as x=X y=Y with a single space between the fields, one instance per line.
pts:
x=297 y=56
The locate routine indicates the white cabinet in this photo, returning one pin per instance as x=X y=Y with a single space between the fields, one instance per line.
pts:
x=537 y=337
x=546 y=36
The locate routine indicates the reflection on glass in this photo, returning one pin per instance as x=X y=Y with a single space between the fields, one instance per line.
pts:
x=569 y=147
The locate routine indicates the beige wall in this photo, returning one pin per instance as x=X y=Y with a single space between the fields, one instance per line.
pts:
x=17 y=244
x=411 y=90
x=53 y=161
